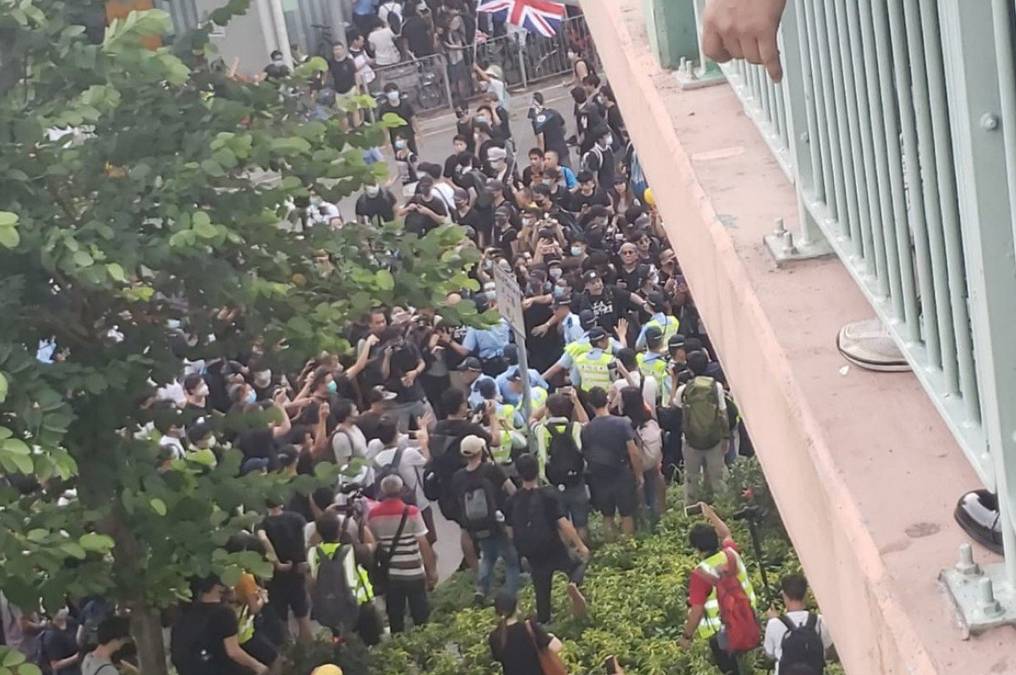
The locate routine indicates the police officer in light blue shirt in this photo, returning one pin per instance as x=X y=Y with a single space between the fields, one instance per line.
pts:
x=488 y=343
x=474 y=378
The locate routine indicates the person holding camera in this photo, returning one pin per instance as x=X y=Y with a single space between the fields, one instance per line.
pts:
x=705 y=620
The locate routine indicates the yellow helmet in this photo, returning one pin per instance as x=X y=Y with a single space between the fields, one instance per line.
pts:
x=327 y=670
x=648 y=197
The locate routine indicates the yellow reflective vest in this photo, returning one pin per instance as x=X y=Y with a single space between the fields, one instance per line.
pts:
x=669 y=326
x=654 y=364
x=593 y=368
x=712 y=566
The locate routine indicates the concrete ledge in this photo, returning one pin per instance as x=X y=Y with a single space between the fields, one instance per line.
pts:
x=864 y=470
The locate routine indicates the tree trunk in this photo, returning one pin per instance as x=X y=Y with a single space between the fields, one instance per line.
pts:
x=146 y=629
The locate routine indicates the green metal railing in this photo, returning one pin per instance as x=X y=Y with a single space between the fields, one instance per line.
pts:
x=896 y=121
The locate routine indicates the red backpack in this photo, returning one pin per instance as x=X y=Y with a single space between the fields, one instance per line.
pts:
x=741 y=626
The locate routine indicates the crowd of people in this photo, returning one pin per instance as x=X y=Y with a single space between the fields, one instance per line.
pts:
x=427 y=417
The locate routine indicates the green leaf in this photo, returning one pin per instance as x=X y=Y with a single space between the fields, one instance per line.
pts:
x=22 y=462
x=384 y=280
x=9 y=237
x=82 y=259
x=3 y=388
x=13 y=658
x=158 y=506
x=29 y=669
x=116 y=272
x=206 y=230
x=93 y=541
x=5 y=433
x=37 y=535
x=212 y=168
x=16 y=446
x=8 y=219
x=74 y=550
x=201 y=218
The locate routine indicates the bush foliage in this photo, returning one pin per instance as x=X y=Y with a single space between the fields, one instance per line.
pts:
x=636 y=591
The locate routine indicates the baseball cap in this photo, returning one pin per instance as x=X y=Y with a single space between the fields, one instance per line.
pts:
x=591 y=275
x=511 y=354
x=596 y=333
x=587 y=318
x=562 y=300
x=655 y=300
x=653 y=335
x=471 y=363
x=515 y=375
x=471 y=446
x=676 y=341
x=496 y=153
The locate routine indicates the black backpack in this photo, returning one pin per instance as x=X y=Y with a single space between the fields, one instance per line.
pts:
x=531 y=528
x=435 y=475
x=408 y=495
x=565 y=464
x=333 y=601
x=478 y=505
x=802 y=644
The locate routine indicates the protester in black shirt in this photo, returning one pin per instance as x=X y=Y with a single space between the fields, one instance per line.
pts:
x=277 y=69
x=375 y=206
x=416 y=32
x=460 y=145
x=515 y=644
x=608 y=303
x=396 y=105
x=600 y=159
x=549 y=126
x=342 y=69
x=535 y=168
x=282 y=534
x=425 y=210
x=587 y=194
x=587 y=118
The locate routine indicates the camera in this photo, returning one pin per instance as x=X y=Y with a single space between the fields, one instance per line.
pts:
x=752 y=512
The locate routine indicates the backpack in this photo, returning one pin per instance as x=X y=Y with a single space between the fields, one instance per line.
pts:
x=189 y=650
x=333 y=600
x=802 y=644
x=433 y=478
x=736 y=613
x=408 y=494
x=649 y=438
x=565 y=464
x=531 y=528
x=704 y=424
x=479 y=506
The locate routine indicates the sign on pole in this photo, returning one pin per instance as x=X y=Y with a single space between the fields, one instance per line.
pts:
x=509 y=303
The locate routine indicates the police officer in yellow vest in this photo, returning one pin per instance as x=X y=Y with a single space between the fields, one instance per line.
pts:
x=665 y=323
x=593 y=367
x=653 y=363
x=713 y=540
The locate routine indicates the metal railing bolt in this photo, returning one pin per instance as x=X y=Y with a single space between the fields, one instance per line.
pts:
x=966 y=565
x=986 y=601
x=989 y=122
x=781 y=229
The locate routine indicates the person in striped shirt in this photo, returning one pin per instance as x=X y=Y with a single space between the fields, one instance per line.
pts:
x=412 y=570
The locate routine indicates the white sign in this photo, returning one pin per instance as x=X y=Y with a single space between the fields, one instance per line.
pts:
x=509 y=298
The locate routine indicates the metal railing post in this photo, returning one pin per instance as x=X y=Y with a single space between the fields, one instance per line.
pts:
x=519 y=50
x=973 y=35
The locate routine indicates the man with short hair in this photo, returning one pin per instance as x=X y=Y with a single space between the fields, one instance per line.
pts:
x=481 y=489
x=565 y=415
x=615 y=464
x=549 y=127
x=794 y=589
x=282 y=534
x=540 y=529
x=396 y=105
x=714 y=541
x=401 y=533
x=114 y=632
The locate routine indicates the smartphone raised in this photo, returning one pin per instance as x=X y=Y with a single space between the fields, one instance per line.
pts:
x=693 y=510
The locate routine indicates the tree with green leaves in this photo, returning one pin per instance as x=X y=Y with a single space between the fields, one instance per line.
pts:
x=142 y=190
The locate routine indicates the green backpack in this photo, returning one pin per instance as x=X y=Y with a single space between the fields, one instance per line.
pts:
x=704 y=424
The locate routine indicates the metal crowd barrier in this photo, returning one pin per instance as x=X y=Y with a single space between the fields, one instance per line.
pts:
x=423 y=82
x=897 y=123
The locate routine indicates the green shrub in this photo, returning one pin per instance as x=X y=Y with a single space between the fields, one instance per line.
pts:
x=636 y=591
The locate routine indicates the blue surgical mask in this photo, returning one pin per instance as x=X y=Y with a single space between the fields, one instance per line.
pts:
x=252 y=397
x=332 y=387
x=576 y=250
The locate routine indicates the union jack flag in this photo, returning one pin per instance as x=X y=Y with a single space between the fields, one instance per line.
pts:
x=543 y=17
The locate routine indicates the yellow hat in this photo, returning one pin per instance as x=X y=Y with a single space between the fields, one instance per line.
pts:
x=648 y=197
x=327 y=670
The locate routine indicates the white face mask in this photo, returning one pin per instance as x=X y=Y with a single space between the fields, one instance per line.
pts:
x=555 y=272
x=576 y=250
x=373 y=190
x=393 y=97
x=483 y=118
x=400 y=144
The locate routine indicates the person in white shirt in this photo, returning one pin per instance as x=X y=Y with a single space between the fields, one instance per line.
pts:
x=382 y=41
x=412 y=457
x=631 y=376
x=348 y=440
x=794 y=588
